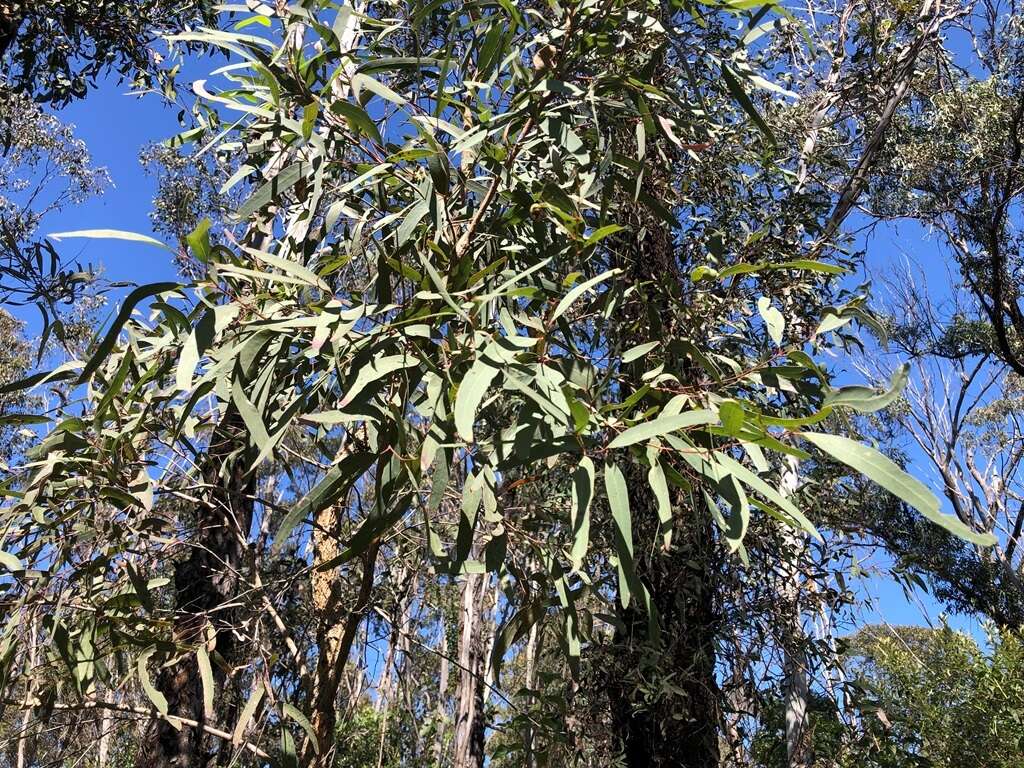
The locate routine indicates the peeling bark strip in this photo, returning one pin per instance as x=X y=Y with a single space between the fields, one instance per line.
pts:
x=203 y=584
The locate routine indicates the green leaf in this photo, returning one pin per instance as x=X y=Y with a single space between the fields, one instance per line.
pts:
x=206 y=674
x=808 y=265
x=309 y=115
x=376 y=370
x=295 y=714
x=199 y=240
x=108 y=342
x=728 y=464
x=582 y=496
x=252 y=417
x=663 y=426
x=247 y=714
x=743 y=99
x=334 y=484
x=10 y=562
x=659 y=487
x=634 y=353
x=514 y=630
x=60 y=373
x=158 y=699
x=293 y=269
x=866 y=399
x=360 y=81
x=773 y=319
x=618 y=500
x=110 y=234
x=269 y=192
x=358 y=119
x=601 y=233
x=386 y=63
x=471 y=393
x=198 y=341
x=732 y=416
x=289 y=755
x=882 y=470
x=739 y=518
x=578 y=291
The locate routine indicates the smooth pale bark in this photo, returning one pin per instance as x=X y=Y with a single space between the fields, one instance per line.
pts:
x=734 y=746
x=24 y=738
x=397 y=643
x=798 y=752
x=442 y=695
x=795 y=691
x=468 y=751
x=106 y=726
x=530 y=680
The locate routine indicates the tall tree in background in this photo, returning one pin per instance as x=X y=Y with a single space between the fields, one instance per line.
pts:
x=953 y=164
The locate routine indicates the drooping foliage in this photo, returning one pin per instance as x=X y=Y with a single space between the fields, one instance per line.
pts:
x=512 y=349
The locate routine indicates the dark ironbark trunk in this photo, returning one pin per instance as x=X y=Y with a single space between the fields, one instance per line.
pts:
x=666 y=704
x=677 y=728
x=204 y=584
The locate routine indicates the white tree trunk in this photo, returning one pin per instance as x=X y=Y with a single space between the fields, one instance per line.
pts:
x=468 y=752
x=798 y=750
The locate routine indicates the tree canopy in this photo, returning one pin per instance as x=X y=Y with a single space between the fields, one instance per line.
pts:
x=498 y=415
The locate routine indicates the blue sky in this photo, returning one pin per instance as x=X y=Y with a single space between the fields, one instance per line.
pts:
x=117 y=125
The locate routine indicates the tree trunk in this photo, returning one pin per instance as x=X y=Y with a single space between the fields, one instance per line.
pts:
x=106 y=728
x=204 y=583
x=673 y=730
x=678 y=643
x=336 y=628
x=25 y=741
x=530 y=682
x=442 y=696
x=398 y=640
x=798 y=746
x=469 y=711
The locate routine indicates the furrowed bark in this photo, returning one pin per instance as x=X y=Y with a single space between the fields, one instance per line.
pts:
x=205 y=583
x=680 y=731
x=680 y=639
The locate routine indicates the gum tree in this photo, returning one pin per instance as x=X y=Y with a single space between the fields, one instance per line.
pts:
x=448 y=326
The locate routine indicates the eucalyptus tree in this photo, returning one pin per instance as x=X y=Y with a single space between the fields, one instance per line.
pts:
x=744 y=197
x=54 y=50
x=938 y=696
x=961 y=410
x=953 y=165
x=44 y=169
x=449 y=321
